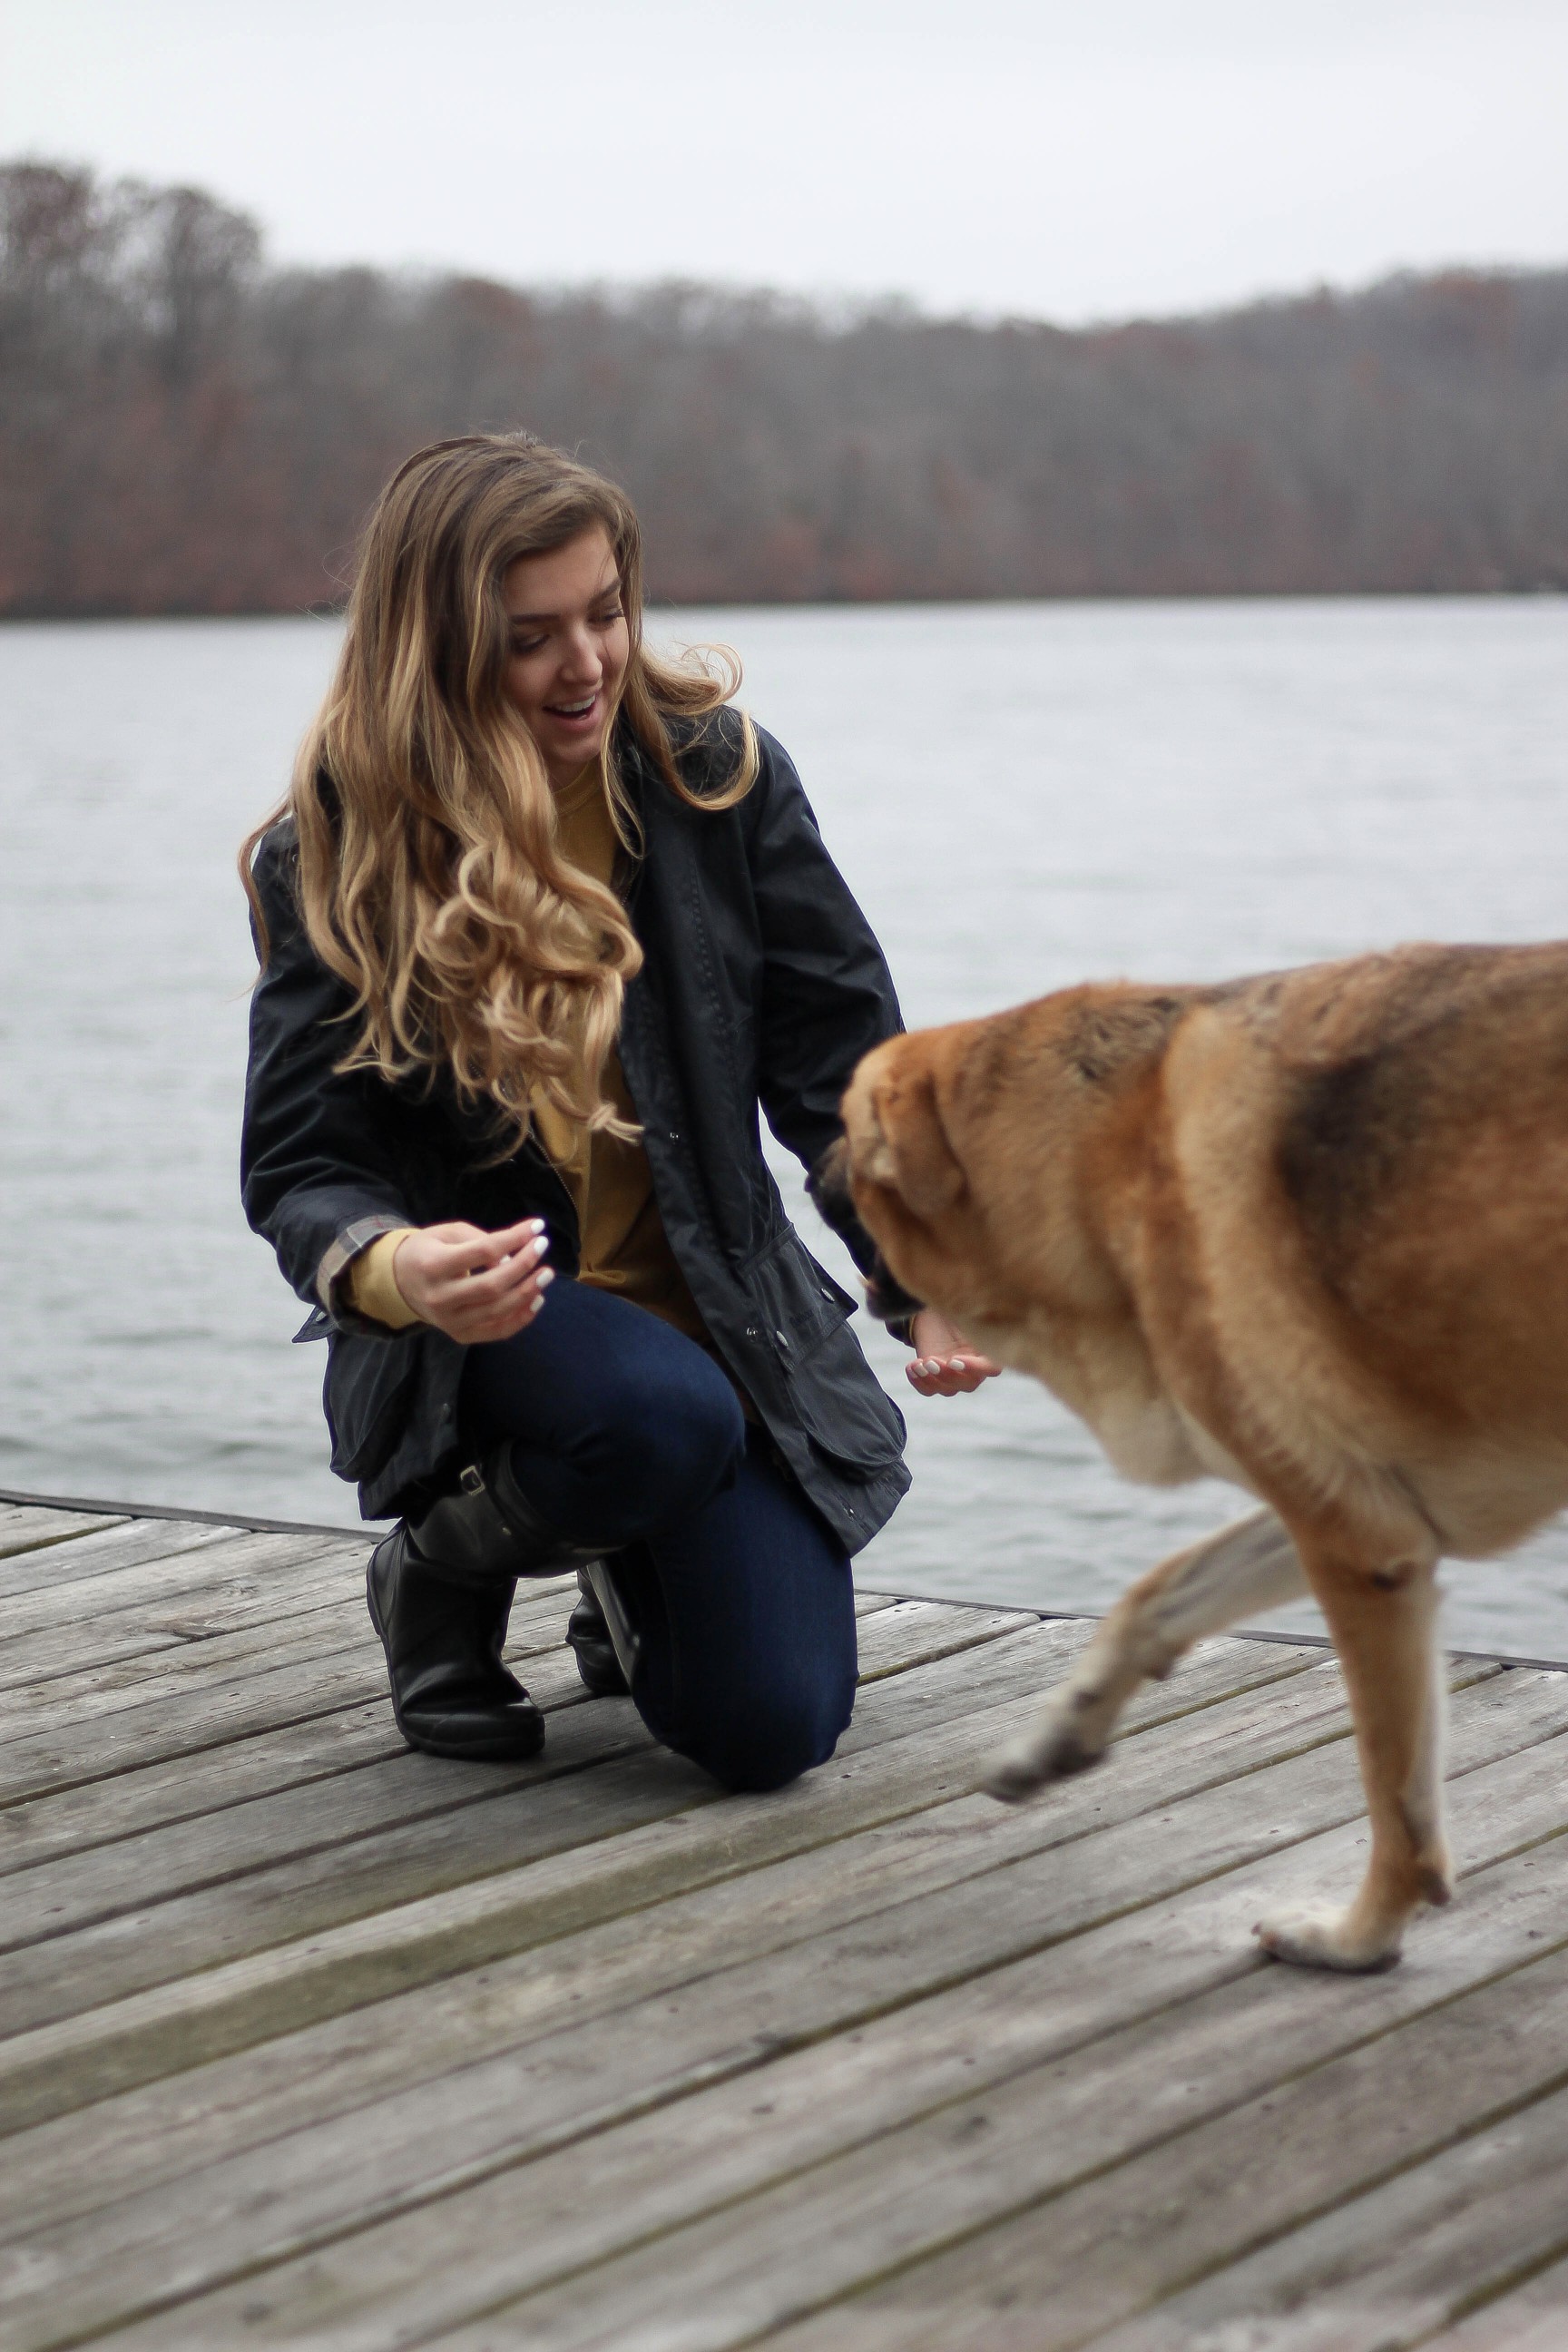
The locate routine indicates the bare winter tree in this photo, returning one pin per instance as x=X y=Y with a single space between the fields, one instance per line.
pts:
x=182 y=430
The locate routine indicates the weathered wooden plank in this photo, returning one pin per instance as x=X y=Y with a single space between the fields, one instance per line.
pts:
x=253 y=1902
x=99 y=1812
x=1108 y=2240
x=1532 y=2316
x=103 y=1553
x=685 y=1937
x=429 y=2267
x=57 y=1899
x=679 y=1941
x=1389 y=2268
x=25 y=1528
x=185 y=1787
x=186 y=1724
x=47 y=2071
x=121 y=1638
x=1110 y=2246
x=223 y=1574
x=889 y=1816
x=50 y=1901
x=852 y=1975
x=79 y=1709
x=312 y=1616
x=912 y=1633
x=174 y=1583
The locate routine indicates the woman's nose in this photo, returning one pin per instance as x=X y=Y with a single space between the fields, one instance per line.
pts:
x=580 y=656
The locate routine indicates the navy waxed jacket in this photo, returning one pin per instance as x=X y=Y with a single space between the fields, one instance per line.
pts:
x=763 y=986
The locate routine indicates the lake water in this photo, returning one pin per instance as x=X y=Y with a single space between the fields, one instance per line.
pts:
x=1021 y=795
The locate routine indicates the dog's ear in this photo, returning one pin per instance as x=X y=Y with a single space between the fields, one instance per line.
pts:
x=910 y=1151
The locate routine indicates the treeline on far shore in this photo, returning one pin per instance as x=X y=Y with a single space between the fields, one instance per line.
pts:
x=186 y=429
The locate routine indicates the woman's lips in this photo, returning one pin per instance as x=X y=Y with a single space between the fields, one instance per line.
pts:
x=578 y=714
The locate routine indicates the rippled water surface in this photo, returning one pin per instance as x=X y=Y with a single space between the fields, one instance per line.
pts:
x=1021 y=796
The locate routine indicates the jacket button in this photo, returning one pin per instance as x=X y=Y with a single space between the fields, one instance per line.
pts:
x=781 y=1339
x=753 y=1332
x=675 y=1134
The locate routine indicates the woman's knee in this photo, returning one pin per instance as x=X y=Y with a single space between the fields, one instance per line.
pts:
x=769 y=1741
x=675 y=1439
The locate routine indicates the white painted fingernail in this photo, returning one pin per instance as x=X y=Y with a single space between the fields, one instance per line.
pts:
x=545 y=1276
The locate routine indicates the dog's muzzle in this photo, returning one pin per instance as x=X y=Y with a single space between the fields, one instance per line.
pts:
x=828 y=1187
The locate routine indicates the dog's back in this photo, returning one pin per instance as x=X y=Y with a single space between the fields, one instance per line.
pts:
x=1376 y=1157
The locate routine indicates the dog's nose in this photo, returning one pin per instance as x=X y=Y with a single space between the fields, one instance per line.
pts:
x=886 y=1297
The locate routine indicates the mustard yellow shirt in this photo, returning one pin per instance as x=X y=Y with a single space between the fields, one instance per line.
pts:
x=624 y=1246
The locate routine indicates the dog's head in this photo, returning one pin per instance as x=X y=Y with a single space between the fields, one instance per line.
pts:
x=896 y=1168
x=976 y=1156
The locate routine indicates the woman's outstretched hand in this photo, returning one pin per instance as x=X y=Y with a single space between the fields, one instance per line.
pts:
x=475 y=1287
x=945 y=1364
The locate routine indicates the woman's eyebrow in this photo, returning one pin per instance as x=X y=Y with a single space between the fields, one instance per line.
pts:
x=600 y=596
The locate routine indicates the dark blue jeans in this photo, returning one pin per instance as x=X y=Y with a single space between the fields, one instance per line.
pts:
x=626 y=1434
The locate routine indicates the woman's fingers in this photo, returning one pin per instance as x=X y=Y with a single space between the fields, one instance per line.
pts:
x=957 y=1375
x=472 y=1284
x=504 y=1322
x=465 y=1253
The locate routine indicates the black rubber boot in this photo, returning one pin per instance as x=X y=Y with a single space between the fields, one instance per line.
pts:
x=440 y=1593
x=451 y=1693
x=588 y=1636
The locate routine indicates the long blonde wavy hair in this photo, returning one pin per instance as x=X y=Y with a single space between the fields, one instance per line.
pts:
x=430 y=875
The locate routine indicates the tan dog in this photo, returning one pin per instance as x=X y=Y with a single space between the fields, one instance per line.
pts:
x=1307 y=1232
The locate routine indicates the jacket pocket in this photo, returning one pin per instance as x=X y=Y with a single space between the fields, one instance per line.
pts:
x=798 y=1300
x=369 y=1394
x=836 y=1398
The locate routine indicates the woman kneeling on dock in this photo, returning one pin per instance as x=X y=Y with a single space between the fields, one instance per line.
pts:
x=542 y=923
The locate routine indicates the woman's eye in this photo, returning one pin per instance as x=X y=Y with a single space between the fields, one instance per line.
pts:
x=605 y=619
x=527 y=645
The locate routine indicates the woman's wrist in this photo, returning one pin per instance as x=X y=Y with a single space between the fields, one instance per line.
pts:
x=373 y=1282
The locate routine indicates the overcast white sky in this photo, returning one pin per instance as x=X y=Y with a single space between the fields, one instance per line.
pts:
x=1061 y=158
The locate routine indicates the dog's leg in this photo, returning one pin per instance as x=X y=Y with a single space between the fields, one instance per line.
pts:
x=1384 y=1625
x=1251 y=1566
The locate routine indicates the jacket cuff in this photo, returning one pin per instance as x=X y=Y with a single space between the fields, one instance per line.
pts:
x=333 y=1288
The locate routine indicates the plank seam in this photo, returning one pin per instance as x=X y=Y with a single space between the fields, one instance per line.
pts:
x=1493 y=2291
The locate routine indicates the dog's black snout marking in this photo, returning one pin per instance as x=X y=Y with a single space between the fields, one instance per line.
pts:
x=828 y=1188
x=886 y=1297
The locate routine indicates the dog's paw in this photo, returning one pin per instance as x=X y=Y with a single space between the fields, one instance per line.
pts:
x=1019 y=1772
x=1322 y=1940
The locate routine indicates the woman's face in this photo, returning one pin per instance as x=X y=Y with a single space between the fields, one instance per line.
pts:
x=568 y=649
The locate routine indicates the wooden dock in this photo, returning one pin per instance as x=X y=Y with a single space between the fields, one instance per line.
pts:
x=305 y=2040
